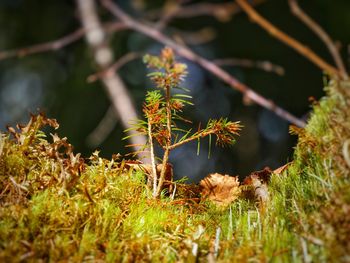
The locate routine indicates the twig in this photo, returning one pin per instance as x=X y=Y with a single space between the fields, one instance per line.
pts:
x=2 y=143
x=345 y=150
x=199 y=37
x=313 y=239
x=221 y=11
x=56 y=44
x=4 y=190
x=263 y=65
x=174 y=192
x=168 y=142
x=115 y=66
x=217 y=242
x=169 y=11
x=103 y=55
x=194 y=137
x=103 y=129
x=286 y=39
x=153 y=162
x=195 y=250
x=108 y=122
x=17 y=185
x=211 y=67
x=321 y=33
x=48 y=46
x=306 y=256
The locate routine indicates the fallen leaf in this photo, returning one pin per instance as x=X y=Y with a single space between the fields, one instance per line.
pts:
x=257 y=183
x=262 y=175
x=220 y=189
x=281 y=169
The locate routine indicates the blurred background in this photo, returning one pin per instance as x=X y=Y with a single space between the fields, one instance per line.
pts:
x=56 y=81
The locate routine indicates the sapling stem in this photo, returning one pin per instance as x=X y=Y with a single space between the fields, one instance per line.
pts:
x=168 y=141
x=153 y=162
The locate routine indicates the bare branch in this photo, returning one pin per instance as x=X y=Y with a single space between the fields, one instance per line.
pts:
x=321 y=33
x=221 y=11
x=103 y=55
x=168 y=11
x=199 y=37
x=103 y=129
x=115 y=66
x=211 y=67
x=56 y=44
x=48 y=46
x=289 y=41
x=108 y=122
x=247 y=63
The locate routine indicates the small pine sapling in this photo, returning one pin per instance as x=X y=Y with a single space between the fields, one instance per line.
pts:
x=162 y=110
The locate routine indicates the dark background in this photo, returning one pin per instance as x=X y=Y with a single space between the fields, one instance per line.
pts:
x=56 y=81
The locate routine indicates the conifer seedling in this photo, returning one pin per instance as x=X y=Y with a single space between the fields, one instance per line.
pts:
x=162 y=111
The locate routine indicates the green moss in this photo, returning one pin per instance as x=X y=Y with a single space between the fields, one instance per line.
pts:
x=54 y=209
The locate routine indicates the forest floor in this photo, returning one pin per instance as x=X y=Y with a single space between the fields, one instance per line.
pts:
x=55 y=206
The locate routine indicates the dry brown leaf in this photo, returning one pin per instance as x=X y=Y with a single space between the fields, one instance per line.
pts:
x=221 y=189
x=257 y=183
x=281 y=169
x=262 y=175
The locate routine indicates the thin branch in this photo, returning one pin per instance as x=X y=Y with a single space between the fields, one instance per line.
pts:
x=103 y=55
x=56 y=44
x=115 y=66
x=169 y=11
x=108 y=122
x=153 y=161
x=321 y=33
x=208 y=65
x=168 y=142
x=43 y=47
x=199 y=37
x=221 y=11
x=192 y=138
x=103 y=129
x=286 y=39
x=263 y=65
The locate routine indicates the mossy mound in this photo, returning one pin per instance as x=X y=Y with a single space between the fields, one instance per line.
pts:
x=55 y=206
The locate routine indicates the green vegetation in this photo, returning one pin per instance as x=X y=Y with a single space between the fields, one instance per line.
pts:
x=55 y=206
x=162 y=110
